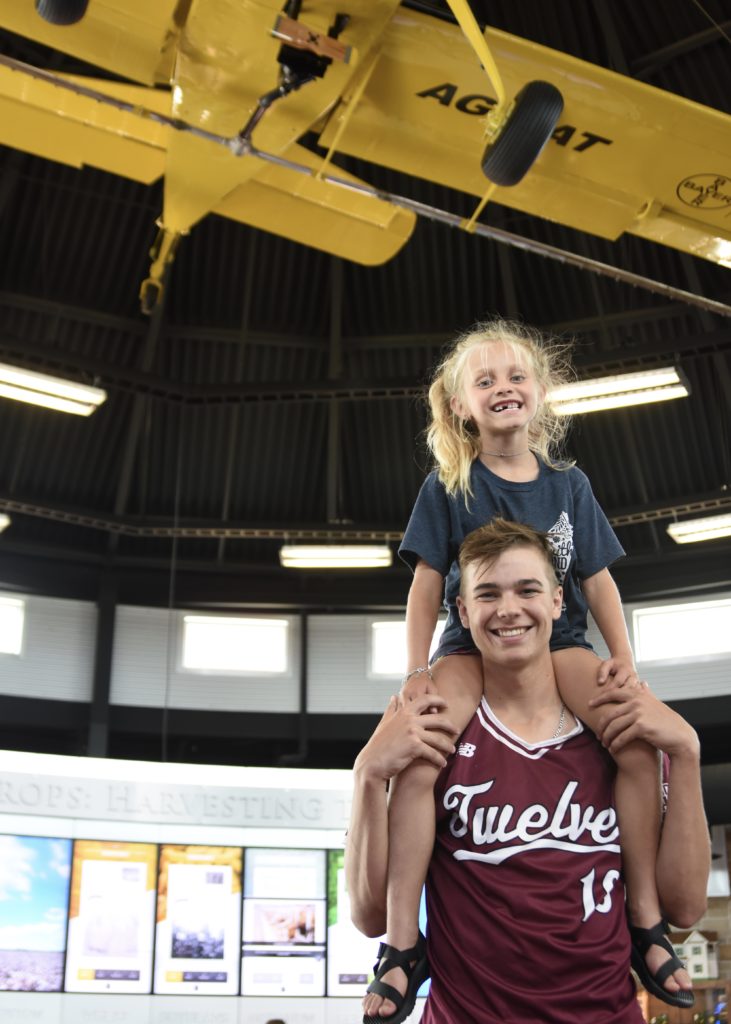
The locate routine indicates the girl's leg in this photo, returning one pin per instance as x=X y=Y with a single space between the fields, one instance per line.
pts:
x=637 y=796
x=411 y=817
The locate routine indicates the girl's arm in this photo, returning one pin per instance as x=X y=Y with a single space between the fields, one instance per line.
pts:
x=422 y=611
x=605 y=605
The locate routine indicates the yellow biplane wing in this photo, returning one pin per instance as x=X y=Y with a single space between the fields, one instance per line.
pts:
x=368 y=78
x=624 y=156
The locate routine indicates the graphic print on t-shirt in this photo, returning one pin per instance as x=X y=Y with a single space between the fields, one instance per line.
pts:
x=561 y=536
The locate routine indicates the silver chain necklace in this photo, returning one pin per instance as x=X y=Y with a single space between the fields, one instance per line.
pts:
x=561 y=719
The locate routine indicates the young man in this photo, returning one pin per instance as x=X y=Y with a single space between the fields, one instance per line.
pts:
x=525 y=902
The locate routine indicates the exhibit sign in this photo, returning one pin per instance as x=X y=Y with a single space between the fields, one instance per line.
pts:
x=34 y=884
x=283 y=949
x=111 y=917
x=198 y=920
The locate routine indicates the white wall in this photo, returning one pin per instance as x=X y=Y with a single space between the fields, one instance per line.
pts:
x=57 y=663
x=57 y=660
x=338 y=659
x=146 y=673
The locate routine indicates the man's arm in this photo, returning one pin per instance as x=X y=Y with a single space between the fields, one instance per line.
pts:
x=404 y=734
x=684 y=855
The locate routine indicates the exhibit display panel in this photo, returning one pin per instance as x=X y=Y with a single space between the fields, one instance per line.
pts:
x=111 y=915
x=178 y=880
x=34 y=886
x=284 y=923
x=198 y=920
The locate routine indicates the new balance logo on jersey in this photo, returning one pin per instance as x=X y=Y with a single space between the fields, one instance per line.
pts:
x=466 y=749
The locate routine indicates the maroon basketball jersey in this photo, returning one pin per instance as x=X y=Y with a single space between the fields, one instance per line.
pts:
x=525 y=901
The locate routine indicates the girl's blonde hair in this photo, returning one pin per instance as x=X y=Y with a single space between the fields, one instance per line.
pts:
x=454 y=443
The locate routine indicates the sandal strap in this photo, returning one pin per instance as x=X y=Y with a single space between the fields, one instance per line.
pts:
x=643 y=938
x=379 y=956
x=390 y=957
x=667 y=969
x=401 y=957
x=381 y=988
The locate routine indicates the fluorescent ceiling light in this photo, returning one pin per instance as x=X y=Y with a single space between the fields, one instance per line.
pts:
x=694 y=530
x=50 y=392
x=618 y=391
x=335 y=556
x=4 y=521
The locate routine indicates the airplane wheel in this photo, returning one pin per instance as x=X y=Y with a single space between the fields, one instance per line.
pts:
x=537 y=108
x=62 y=12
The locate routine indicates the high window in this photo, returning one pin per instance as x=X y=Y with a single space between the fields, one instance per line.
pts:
x=12 y=620
x=227 y=643
x=679 y=631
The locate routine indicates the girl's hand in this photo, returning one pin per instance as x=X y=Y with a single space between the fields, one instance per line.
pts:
x=417 y=685
x=620 y=672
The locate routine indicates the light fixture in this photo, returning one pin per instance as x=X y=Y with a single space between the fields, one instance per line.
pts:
x=50 y=392
x=618 y=391
x=335 y=556
x=693 y=530
x=4 y=521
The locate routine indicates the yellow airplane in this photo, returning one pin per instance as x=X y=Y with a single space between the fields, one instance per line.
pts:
x=216 y=96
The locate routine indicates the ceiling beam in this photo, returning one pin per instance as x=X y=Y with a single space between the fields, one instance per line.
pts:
x=59 y=571
x=145 y=384
x=79 y=314
x=645 y=67
x=159 y=527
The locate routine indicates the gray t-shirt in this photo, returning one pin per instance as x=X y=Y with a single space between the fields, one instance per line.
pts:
x=560 y=502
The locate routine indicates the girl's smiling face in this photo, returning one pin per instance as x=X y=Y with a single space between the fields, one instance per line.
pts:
x=499 y=392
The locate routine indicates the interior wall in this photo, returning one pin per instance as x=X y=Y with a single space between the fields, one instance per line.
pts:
x=58 y=658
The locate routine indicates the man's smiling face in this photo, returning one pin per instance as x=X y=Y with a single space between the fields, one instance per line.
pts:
x=509 y=605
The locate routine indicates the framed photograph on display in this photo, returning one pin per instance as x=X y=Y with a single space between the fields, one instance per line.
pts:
x=284 y=931
x=198 y=920
x=34 y=893
x=111 y=917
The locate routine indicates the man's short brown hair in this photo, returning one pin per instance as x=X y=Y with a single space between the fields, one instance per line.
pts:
x=488 y=542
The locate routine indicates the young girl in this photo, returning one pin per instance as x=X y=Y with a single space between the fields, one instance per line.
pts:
x=493 y=435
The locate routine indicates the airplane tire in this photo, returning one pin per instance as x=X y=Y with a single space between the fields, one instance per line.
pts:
x=62 y=12
x=508 y=158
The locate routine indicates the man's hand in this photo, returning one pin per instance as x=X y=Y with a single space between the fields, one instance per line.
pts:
x=637 y=714
x=407 y=733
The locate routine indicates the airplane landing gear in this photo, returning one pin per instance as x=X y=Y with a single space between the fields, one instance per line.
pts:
x=62 y=12
x=527 y=128
x=162 y=253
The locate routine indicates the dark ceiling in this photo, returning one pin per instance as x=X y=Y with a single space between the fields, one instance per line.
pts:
x=277 y=392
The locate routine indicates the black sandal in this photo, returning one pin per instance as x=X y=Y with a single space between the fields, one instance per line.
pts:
x=642 y=939
x=416 y=974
